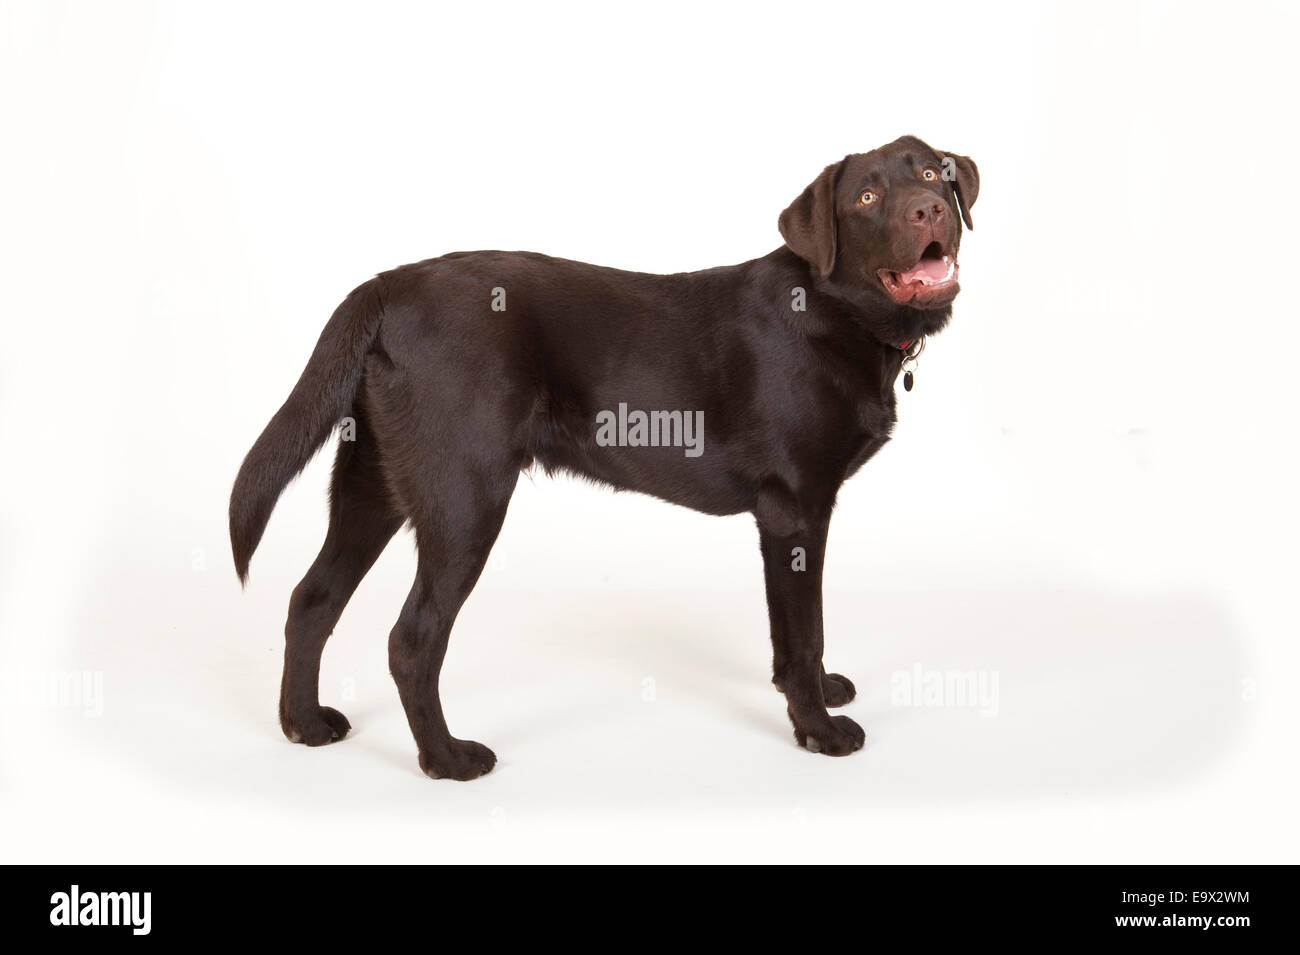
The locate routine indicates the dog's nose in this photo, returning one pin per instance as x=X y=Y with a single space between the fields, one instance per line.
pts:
x=926 y=210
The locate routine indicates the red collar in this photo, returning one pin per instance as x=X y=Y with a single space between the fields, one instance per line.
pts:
x=910 y=351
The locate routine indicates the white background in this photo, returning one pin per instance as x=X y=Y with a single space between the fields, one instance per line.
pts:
x=1090 y=491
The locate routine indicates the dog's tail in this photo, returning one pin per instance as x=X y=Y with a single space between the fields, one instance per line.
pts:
x=323 y=395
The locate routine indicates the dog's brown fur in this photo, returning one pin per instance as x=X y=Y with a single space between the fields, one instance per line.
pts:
x=451 y=398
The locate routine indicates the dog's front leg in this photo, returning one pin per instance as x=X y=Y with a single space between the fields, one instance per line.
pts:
x=793 y=542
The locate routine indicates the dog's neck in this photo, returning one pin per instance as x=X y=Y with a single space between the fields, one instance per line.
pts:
x=892 y=325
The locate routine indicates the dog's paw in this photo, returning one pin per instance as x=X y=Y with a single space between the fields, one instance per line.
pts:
x=837 y=689
x=317 y=728
x=461 y=759
x=840 y=737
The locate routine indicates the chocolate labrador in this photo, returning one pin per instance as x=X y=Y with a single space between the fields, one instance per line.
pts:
x=758 y=387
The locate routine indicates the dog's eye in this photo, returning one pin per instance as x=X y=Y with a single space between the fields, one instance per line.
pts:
x=867 y=198
x=929 y=175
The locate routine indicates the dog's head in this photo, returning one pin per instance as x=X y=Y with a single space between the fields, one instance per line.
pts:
x=887 y=222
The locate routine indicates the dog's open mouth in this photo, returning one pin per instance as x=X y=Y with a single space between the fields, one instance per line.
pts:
x=932 y=277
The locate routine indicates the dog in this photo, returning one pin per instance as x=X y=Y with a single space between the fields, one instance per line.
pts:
x=452 y=375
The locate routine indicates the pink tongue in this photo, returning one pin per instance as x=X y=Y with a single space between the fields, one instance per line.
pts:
x=934 y=269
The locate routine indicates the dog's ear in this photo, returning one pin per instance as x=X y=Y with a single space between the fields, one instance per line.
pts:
x=964 y=175
x=808 y=223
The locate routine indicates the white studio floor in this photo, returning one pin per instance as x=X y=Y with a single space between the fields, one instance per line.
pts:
x=627 y=700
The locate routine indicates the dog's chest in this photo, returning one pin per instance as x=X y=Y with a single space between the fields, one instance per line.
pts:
x=878 y=414
x=875 y=417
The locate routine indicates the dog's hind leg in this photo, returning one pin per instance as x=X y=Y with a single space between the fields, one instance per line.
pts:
x=362 y=522
x=458 y=519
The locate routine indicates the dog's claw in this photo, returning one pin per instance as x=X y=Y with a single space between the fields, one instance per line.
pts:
x=841 y=738
x=326 y=725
